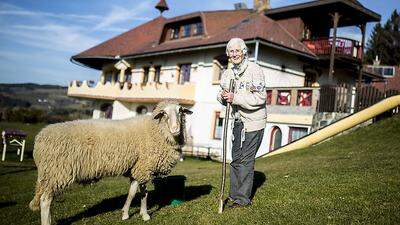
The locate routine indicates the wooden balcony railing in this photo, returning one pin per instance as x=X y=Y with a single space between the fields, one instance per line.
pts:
x=133 y=92
x=297 y=96
x=292 y=105
x=346 y=98
x=344 y=47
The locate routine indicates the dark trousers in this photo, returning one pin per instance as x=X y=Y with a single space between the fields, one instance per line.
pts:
x=242 y=165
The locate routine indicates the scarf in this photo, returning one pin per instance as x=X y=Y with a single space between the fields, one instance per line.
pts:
x=238 y=69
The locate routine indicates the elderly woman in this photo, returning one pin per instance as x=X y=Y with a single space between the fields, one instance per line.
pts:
x=248 y=111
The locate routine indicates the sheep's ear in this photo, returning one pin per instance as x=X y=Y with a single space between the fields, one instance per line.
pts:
x=185 y=110
x=159 y=114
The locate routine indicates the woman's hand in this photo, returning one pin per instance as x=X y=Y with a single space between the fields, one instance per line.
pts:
x=228 y=96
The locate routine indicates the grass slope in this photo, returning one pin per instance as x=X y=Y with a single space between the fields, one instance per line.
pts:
x=351 y=179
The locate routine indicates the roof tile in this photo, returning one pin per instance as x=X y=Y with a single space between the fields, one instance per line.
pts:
x=219 y=26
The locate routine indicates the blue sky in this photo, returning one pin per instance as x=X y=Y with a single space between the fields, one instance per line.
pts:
x=38 y=37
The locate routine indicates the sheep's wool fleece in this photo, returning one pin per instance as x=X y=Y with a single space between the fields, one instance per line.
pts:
x=85 y=150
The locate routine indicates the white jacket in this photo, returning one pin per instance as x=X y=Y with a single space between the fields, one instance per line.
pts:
x=249 y=99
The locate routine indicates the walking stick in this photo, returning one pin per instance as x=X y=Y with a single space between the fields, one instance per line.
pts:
x=224 y=143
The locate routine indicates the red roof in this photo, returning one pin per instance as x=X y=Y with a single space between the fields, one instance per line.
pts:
x=219 y=27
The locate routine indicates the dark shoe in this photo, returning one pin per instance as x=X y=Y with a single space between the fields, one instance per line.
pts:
x=228 y=202
x=237 y=205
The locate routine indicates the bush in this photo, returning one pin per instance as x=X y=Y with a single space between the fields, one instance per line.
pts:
x=25 y=115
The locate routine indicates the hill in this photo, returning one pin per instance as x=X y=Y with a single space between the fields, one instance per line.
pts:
x=32 y=103
x=36 y=95
x=350 y=179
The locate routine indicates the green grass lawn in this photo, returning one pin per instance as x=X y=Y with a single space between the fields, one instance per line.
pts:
x=351 y=179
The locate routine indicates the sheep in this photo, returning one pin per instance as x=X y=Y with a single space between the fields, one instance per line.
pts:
x=83 y=151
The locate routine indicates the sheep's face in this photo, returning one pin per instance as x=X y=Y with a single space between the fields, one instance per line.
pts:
x=173 y=115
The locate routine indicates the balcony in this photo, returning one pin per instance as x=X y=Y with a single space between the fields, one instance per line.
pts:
x=292 y=104
x=344 y=47
x=133 y=92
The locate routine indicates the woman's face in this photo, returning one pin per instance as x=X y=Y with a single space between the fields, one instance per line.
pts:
x=235 y=54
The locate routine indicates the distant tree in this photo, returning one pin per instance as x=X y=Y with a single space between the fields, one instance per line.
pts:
x=385 y=42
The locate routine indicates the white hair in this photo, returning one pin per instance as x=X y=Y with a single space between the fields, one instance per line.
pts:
x=236 y=41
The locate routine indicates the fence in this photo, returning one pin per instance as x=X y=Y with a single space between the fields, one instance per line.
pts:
x=336 y=98
x=346 y=98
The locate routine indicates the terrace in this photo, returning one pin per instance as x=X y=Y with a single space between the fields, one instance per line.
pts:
x=299 y=102
x=133 y=92
x=344 y=47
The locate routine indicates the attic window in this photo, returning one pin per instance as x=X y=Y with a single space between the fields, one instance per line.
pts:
x=183 y=29
x=175 y=33
x=198 y=29
x=186 y=30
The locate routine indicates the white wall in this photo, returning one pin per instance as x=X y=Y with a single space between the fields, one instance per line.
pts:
x=272 y=60
x=264 y=148
x=201 y=123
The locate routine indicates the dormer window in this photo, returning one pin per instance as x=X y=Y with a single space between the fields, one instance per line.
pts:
x=198 y=28
x=183 y=29
x=186 y=30
x=175 y=33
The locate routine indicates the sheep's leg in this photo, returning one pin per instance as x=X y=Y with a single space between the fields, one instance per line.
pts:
x=132 y=191
x=143 y=203
x=45 y=202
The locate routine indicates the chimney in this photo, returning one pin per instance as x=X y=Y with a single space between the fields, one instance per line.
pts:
x=240 y=5
x=261 y=5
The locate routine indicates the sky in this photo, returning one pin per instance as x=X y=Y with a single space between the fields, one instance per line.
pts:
x=38 y=37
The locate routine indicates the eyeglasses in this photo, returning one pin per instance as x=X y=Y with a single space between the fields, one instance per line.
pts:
x=235 y=51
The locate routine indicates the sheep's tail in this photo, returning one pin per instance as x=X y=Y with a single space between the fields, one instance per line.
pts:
x=34 y=205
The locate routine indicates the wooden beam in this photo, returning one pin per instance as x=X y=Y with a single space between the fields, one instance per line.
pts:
x=335 y=18
x=362 y=27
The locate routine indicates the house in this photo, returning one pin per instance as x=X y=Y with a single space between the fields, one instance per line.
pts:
x=391 y=75
x=183 y=57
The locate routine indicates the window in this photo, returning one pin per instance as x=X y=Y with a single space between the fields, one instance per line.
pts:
x=283 y=98
x=386 y=71
x=157 y=74
x=276 y=139
x=182 y=29
x=269 y=97
x=128 y=75
x=304 y=97
x=106 y=110
x=198 y=28
x=220 y=64
x=116 y=77
x=297 y=133
x=306 y=33
x=186 y=30
x=145 y=74
x=91 y=83
x=184 y=73
x=310 y=79
x=218 y=124
x=108 y=77
x=175 y=33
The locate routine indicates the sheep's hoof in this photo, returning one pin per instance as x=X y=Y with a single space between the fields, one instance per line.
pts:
x=145 y=217
x=125 y=217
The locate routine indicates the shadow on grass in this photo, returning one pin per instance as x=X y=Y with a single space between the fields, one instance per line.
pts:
x=7 y=204
x=10 y=168
x=258 y=180
x=116 y=203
